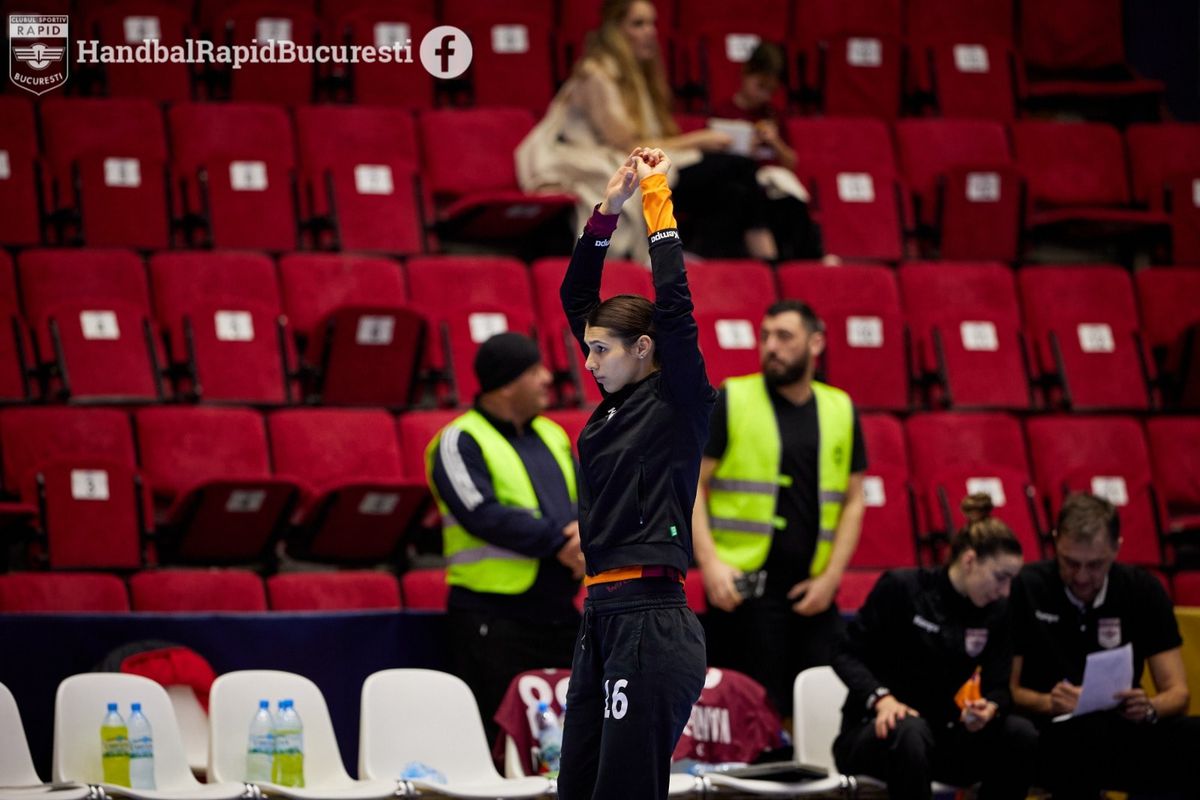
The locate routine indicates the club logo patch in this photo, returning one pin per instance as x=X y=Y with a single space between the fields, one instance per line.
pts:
x=1108 y=632
x=975 y=640
x=37 y=54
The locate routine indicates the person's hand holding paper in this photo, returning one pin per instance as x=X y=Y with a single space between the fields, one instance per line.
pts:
x=1107 y=676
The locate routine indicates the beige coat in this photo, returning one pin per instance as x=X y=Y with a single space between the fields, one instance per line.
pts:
x=581 y=141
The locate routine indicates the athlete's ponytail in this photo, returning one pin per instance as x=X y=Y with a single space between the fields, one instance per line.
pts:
x=983 y=533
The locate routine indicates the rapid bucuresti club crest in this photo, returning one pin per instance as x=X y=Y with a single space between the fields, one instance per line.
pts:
x=38 y=54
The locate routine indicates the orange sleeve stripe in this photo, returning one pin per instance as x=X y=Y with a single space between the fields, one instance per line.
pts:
x=656 y=204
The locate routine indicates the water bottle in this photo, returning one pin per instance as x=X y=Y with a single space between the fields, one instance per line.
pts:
x=260 y=750
x=289 y=746
x=549 y=738
x=114 y=748
x=141 y=750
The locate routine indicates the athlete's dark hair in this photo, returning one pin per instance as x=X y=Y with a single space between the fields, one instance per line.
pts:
x=983 y=533
x=1084 y=517
x=812 y=323
x=628 y=316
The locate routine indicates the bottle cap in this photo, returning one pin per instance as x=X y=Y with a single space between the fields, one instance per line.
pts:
x=112 y=706
x=264 y=703
x=136 y=707
x=543 y=708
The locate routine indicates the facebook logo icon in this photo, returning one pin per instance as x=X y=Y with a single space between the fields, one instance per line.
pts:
x=446 y=52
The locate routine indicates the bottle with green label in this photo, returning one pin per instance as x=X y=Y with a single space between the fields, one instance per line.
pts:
x=114 y=747
x=289 y=746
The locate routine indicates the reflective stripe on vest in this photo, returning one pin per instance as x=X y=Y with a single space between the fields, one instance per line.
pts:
x=743 y=493
x=472 y=562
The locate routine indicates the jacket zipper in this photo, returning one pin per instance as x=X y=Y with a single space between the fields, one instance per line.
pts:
x=641 y=491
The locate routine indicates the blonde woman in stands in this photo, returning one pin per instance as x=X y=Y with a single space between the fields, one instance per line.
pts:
x=927 y=663
x=618 y=98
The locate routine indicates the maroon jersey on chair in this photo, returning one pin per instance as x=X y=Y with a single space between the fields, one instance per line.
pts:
x=517 y=713
x=732 y=721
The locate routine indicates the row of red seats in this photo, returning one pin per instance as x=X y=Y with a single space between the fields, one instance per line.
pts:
x=223 y=485
x=207 y=591
x=347 y=330
x=186 y=590
x=848 y=57
x=108 y=172
x=373 y=179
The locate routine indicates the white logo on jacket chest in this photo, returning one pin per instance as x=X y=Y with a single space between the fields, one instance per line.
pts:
x=611 y=411
x=975 y=640
x=1108 y=632
x=1046 y=616
x=926 y=625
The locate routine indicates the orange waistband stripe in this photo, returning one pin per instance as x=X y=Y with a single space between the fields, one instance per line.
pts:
x=632 y=573
x=657 y=206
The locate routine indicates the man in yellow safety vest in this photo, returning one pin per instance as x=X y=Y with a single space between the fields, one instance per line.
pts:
x=780 y=508
x=504 y=480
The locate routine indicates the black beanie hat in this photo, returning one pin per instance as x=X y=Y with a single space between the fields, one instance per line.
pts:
x=501 y=359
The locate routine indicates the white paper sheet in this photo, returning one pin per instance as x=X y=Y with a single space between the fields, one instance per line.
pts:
x=1105 y=673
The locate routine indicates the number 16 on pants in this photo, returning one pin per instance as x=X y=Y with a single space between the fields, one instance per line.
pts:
x=620 y=703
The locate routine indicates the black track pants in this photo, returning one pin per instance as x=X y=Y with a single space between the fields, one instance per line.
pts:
x=638 y=669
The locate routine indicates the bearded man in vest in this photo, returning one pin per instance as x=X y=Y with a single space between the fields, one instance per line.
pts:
x=504 y=480
x=779 y=510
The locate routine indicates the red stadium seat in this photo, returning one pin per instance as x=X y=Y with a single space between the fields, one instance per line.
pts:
x=78 y=467
x=106 y=162
x=16 y=359
x=864 y=329
x=491 y=295
x=849 y=167
x=90 y=310
x=130 y=23
x=360 y=340
x=213 y=13
x=1171 y=325
x=1175 y=452
x=560 y=350
x=1166 y=175
x=1105 y=456
x=954 y=455
x=333 y=591
x=210 y=472
x=961 y=19
x=57 y=593
x=358 y=170
x=380 y=23
x=512 y=64
x=716 y=39
x=21 y=221
x=424 y=589
x=855 y=586
x=225 y=325
x=1077 y=176
x=1083 y=325
x=966 y=186
x=360 y=502
x=1077 y=48
x=468 y=163
x=234 y=165
x=966 y=333
x=970 y=78
x=197 y=590
x=416 y=430
x=887 y=538
x=730 y=299
x=1186 y=589
x=850 y=53
x=256 y=22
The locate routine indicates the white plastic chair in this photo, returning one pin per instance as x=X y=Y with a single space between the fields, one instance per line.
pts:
x=818 y=696
x=430 y=717
x=193 y=726
x=18 y=778
x=232 y=703
x=78 y=710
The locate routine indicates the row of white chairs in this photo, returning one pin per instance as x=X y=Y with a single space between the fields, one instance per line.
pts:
x=407 y=716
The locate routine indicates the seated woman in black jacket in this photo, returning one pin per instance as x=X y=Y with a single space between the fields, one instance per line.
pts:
x=639 y=664
x=927 y=662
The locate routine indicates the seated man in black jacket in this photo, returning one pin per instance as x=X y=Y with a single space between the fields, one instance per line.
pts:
x=1080 y=603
